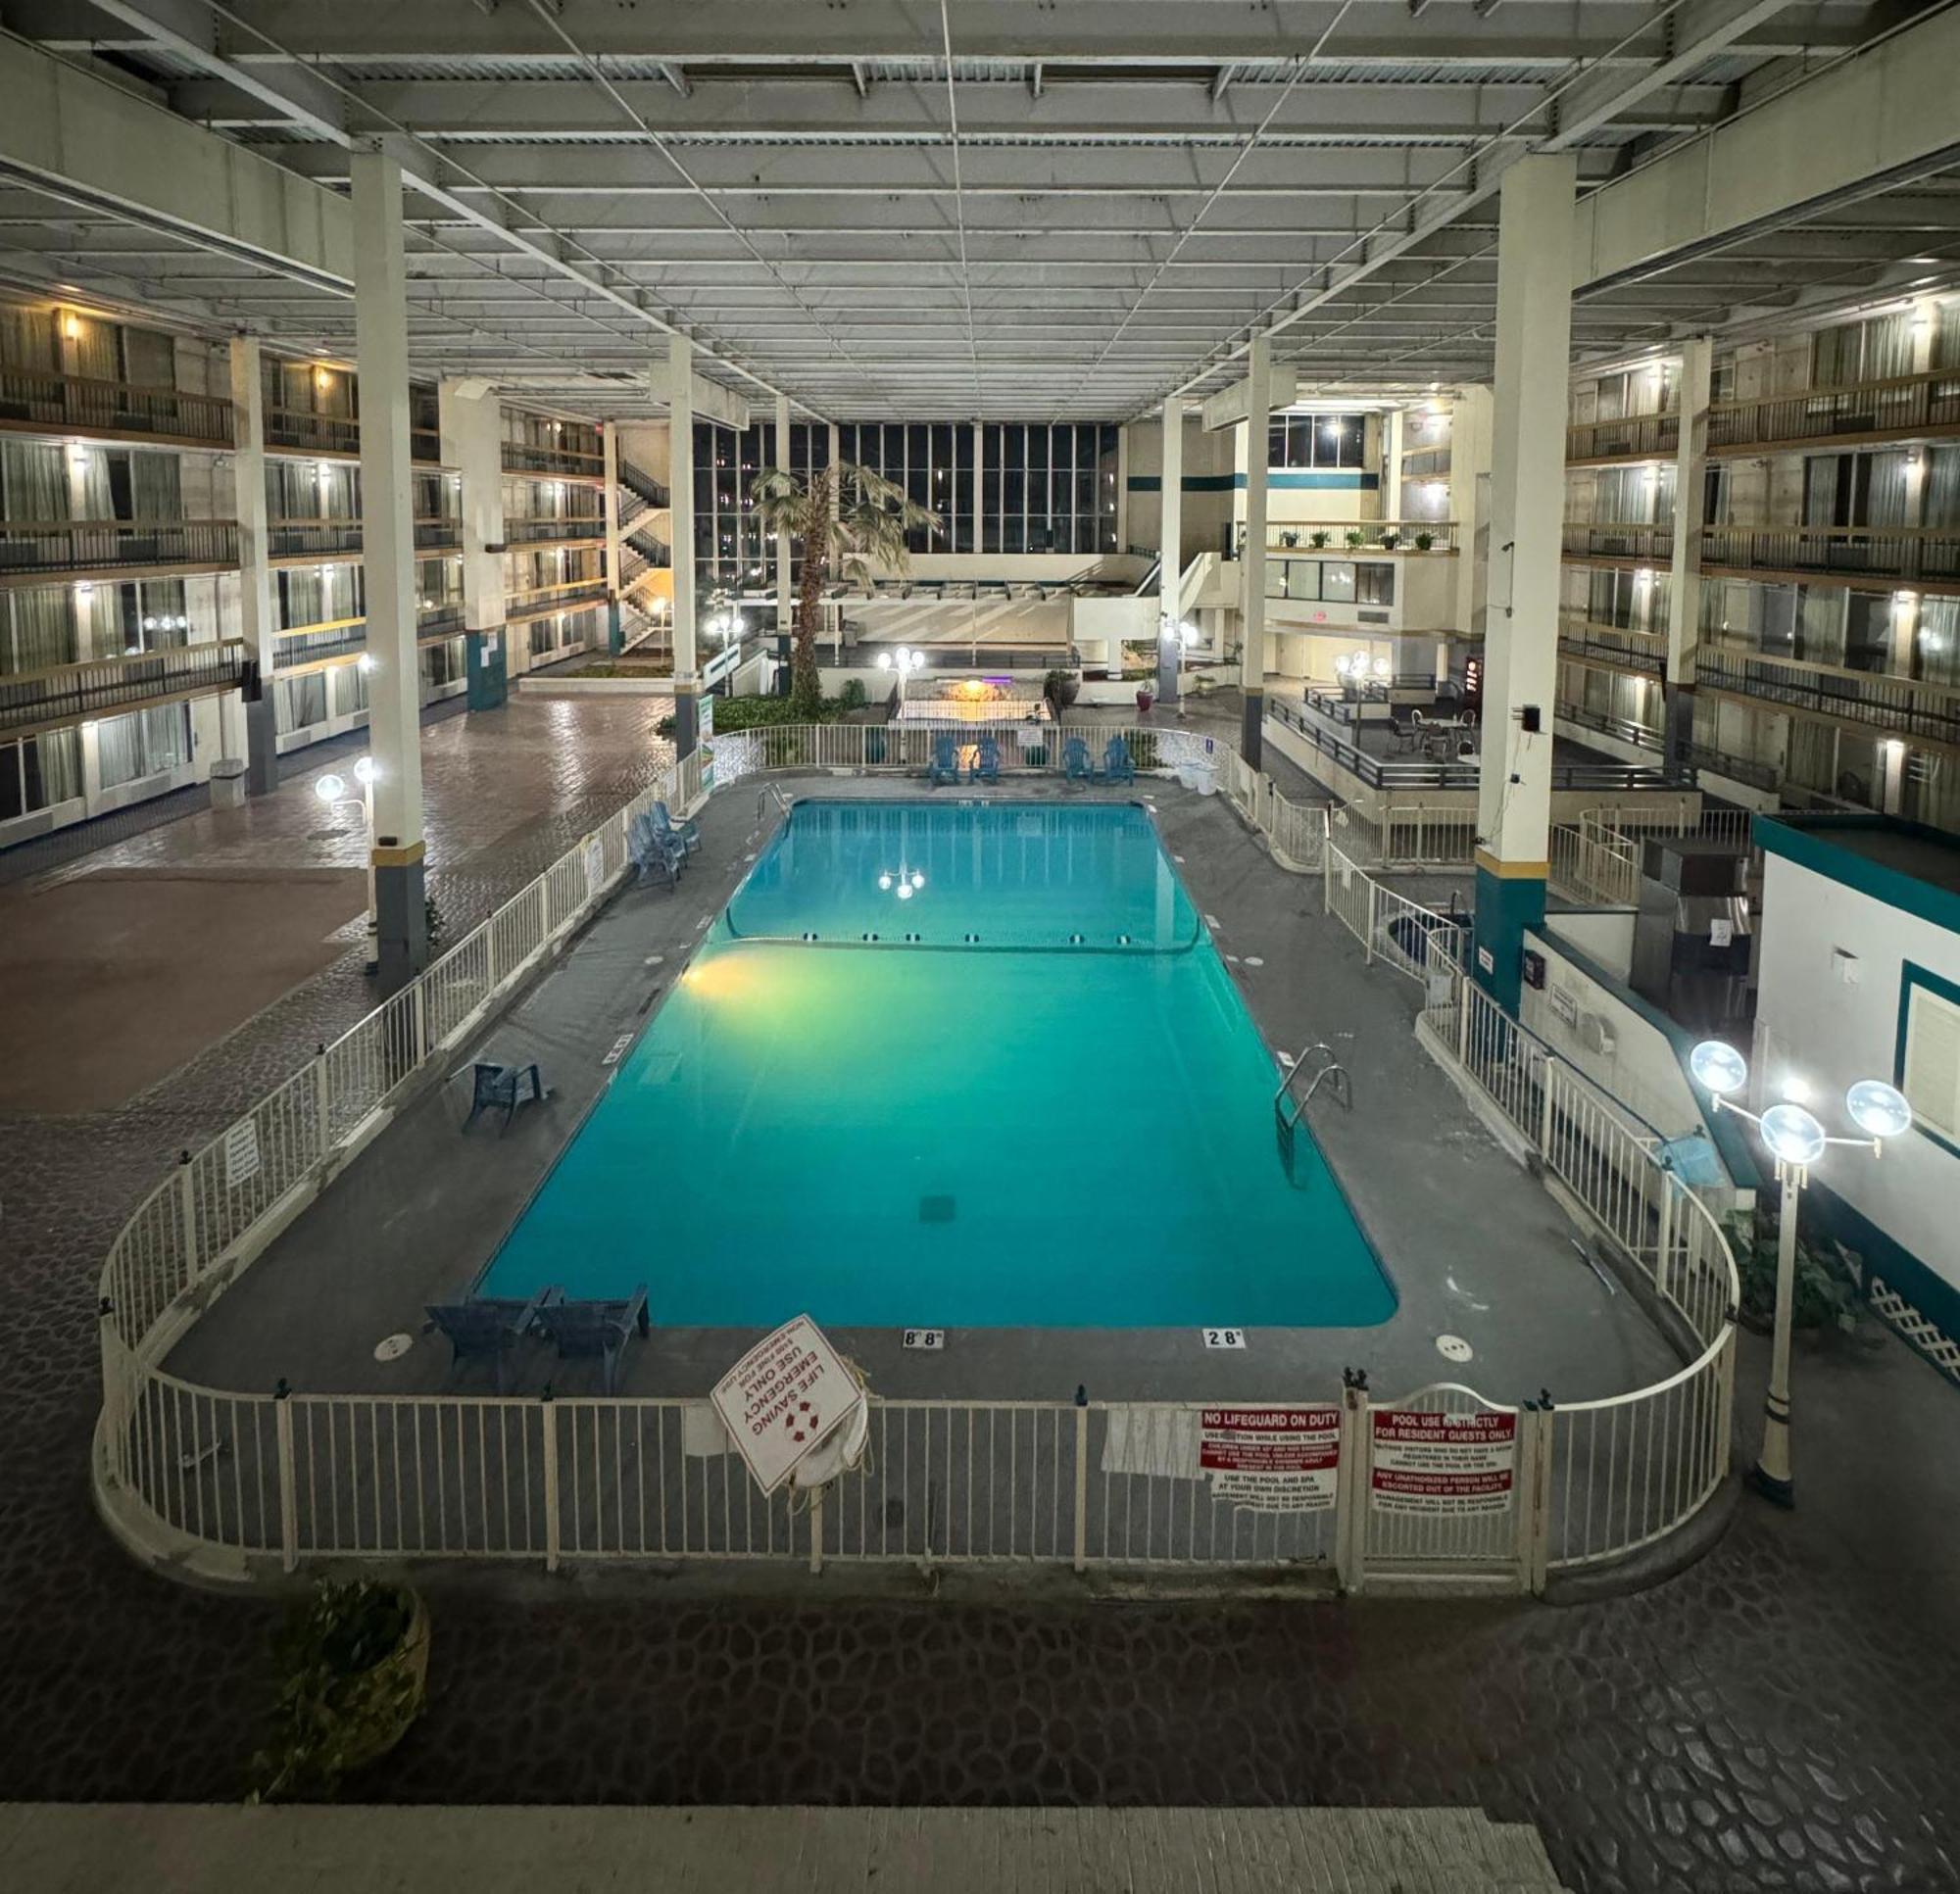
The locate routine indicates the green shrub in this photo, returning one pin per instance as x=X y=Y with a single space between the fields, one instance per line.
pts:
x=733 y=713
x=852 y=697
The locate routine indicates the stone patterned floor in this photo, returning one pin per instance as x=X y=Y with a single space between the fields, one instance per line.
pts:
x=1786 y=1715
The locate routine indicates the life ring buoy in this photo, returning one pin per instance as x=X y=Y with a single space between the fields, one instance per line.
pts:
x=837 y=1453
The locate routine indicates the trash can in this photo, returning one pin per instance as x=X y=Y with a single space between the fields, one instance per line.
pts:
x=228 y=783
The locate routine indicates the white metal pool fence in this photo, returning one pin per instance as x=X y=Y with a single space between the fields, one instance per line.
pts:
x=241 y=1486
x=1597 y=861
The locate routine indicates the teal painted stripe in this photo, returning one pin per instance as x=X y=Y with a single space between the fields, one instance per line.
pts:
x=1281 y=479
x=1811 y=843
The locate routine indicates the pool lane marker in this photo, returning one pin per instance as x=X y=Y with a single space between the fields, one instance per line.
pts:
x=1223 y=1338
x=930 y=1338
x=617 y=1050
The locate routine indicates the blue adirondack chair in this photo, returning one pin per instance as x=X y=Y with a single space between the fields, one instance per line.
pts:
x=597 y=1329
x=945 y=761
x=503 y=1087
x=1116 y=764
x=654 y=854
x=686 y=833
x=986 y=761
x=485 y=1328
x=1075 y=763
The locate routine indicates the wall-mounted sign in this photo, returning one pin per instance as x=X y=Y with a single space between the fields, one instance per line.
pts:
x=1442 y=1465
x=241 y=1153
x=1271 y=1459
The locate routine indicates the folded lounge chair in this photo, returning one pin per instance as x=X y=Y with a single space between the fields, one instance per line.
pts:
x=503 y=1087
x=945 y=761
x=1116 y=764
x=986 y=761
x=654 y=854
x=686 y=833
x=485 y=1328
x=1075 y=763
x=599 y=1327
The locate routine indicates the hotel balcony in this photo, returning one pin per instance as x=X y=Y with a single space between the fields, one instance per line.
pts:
x=1619 y=648
x=1426 y=463
x=527 y=461
x=1889 y=706
x=578 y=531
x=44 y=551
x=1628 y=437
x=575 y=594
x=1344 y=538
x=53 y=698
x=1924 y=558
x=1900 y=408
x=1619 y=542
x=34 y=401
x=336 y=437
x=336 y=641
x=301 y=542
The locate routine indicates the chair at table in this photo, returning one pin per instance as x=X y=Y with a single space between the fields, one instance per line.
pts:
x=1402 y=734
x=986 y=762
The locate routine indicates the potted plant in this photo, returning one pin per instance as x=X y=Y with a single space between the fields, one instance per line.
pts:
x=354 y=1677
x=1353 y=538
x=1391 y=539
x=1061 y=688
x=1318 y=539
x=1145 y=699
x=1290 y=538
x=1424 y=541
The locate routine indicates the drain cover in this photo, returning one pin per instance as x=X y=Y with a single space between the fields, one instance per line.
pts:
x=934 y=1209
x=1452 y=1347
x=392 y=1348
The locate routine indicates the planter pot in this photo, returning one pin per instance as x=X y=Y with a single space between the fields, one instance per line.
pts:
x=1144 y=703
x=394 y=1691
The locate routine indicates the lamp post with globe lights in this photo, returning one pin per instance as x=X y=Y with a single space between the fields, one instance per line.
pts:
x=903 y=661
x=1796 y=1141
x=332 y=791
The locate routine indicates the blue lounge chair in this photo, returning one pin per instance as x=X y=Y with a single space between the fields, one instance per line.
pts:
x=1075 y=763
x=654 y=854
x=504 y=1088
x=945 y=761
x=485 y=1328
x=599 y=1327
x=1116 y=764
x=986 y=762
x=686 y=833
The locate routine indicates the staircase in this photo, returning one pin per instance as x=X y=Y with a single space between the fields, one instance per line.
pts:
x=651 y=492
x=643 y=636
x=645 y=527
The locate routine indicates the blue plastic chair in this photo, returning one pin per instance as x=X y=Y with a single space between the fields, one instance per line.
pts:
x=986 y=762
x=686 y=833
x=1075 y=763
x=597 y=1328
x=503 y=1087
x=654 y=854
x=1116 y=764
x=945 y=761
x=485 y=1328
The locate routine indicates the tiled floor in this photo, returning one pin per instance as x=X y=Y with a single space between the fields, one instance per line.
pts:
x=1782 y=1716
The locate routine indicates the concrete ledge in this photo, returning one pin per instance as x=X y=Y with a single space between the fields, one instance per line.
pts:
x=595 y=686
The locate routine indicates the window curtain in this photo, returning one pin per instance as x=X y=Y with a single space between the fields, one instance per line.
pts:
x=43 y=631
x=27 y=339
x=291 y=490
x=89 y=486
x=33 y=482
x=302 y=595
x=96 y=354
x=1874 y=349
x=1947 y=337
x=1885 y=502
x=1820 y=623
x=149 y=359
x=1821 y=476
x=1936 y=648
x=59 y=755
x=1943 y=487
x=156 y=485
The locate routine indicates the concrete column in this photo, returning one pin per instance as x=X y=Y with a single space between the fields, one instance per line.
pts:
x=1391 y=465
x=471 y=422
x=257 y=621
x=1527 y=512
x=388 y=555
x=785 y=598
x=1469 y=485
x=1170 y=554
x=615 y=637
x=1684 y=578
x=1252 y=610
x=979 y=468
x=681 y=478
x=1123 y=488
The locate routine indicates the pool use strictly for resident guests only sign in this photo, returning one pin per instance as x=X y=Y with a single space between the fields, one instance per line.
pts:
x=787 y=1395
x=1271 y=1459
x=1442 y=1465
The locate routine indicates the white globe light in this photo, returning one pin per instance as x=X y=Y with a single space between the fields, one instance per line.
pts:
x=905 y=891
x=329 y=789
x=918 y=880
x=884 y=661
x=1796 y=1088
x=1718 y=1066
x=1792 y=1134
x=1879 y=1109
x=885 y=883
x=365 y=662
x=365 y=770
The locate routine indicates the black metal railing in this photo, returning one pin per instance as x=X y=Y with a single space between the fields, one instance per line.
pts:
x=552 y=462
x=31 y=550
x=533 y=532
x=1896 y=707
x=65 y=694
x=1627 y=437
x=1904 y=554
x=34 y=398
x=1895 y=406
x=1647 y=543
x=638 y=480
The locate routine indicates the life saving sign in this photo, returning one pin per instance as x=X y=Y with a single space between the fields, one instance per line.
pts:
x=1271 y=1459
x=786 y=1395
x=1452 y=1466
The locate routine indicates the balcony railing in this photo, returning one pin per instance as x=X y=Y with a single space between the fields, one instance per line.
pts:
x=104 y=687
x=299 y=430
x=32 y=551
x=32 y=400
x=1628 y=437
x=1897 y=406
x=644 y=486
x=1898 y=706
x=1619 y=646
x=532 y=532
x=1397 y=773
x=1426 y=463
x=542 y=600
x=439 y=624
x=552 y=462
x=324 y=539
x=1620 y=539
x=1345 y=536
x=1904 y=554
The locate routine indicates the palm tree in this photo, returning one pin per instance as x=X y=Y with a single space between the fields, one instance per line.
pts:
x=868 y=527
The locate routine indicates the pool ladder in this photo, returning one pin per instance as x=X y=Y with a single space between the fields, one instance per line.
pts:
x=1316 y=1064
x=768 y=793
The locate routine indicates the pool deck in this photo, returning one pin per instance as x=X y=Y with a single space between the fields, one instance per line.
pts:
x=1475 y=1249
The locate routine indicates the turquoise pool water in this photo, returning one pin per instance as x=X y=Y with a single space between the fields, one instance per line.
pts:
x=1047 y=1109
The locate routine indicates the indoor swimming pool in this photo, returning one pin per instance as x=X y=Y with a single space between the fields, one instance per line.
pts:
x=950 y=1065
